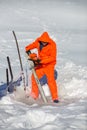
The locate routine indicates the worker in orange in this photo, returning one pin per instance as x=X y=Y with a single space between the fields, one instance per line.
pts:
x=45 y=61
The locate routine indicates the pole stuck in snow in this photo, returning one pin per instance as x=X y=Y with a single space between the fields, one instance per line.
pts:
x=7 y=76
x=23 y=77
x=10 y=69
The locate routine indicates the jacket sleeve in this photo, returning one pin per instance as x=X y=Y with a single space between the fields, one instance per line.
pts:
x=32 y=45
x=52 y=57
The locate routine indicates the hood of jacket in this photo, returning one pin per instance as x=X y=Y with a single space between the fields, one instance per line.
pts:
x=44 y=37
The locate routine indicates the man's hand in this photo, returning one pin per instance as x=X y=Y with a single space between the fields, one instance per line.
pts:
x=33 y=56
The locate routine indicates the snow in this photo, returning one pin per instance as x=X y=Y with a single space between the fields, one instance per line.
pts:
x=66 y=23
x=16 y=115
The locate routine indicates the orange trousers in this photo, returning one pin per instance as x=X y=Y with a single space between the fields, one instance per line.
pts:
x=49 y=72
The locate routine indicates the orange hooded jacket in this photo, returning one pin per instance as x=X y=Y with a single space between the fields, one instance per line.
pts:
x=48 y=60
x=48 y=53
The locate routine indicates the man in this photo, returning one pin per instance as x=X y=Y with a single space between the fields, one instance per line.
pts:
x=45 y=62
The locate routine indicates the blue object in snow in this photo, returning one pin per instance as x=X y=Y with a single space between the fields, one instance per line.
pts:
x=15 y=83
x=3 y=90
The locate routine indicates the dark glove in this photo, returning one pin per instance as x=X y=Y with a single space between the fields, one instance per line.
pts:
x=37 y=62
x=28 y=52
